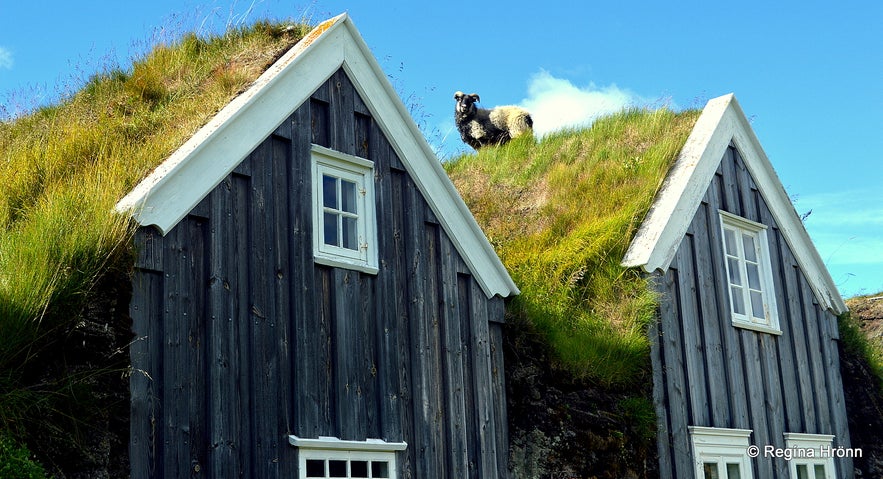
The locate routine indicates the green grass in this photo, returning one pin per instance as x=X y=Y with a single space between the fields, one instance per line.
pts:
x=63 y=167
x=560 y=213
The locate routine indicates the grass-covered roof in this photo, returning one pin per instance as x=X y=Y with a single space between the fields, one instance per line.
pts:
x=64 y=166
x=561 y=213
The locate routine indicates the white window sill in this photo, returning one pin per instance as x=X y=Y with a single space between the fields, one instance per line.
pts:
x=760 y=328
x=341 y=262
x=335 y=444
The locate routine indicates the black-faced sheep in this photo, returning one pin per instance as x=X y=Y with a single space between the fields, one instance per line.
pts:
x=479 y=126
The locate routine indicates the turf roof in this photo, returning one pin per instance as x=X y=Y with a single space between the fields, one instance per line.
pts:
x=561 y=213
x=64 y=166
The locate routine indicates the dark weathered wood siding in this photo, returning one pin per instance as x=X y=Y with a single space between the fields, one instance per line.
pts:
x=709 y=373
x=243 y=340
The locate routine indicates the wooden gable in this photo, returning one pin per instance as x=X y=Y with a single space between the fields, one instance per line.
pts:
x=708 y=372
x=245 y=345
x=177 y=185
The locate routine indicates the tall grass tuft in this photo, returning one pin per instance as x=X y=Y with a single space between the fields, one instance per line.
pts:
x=561 y=213
x=63 y=167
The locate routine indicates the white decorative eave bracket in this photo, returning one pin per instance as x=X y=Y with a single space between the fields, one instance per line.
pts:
x=722 y=121
x=332 y=443
x=176 y=186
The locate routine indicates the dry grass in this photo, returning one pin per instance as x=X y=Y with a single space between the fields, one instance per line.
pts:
x=63 y=168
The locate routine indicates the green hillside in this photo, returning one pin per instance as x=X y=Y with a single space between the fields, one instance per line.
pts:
x=62 y=169
x=561 y=213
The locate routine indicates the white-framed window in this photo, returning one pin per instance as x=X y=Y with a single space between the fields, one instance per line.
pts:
x=812 y=457
x=721 y=453
x=344 y=217
x=330 y=457
x=749 y=274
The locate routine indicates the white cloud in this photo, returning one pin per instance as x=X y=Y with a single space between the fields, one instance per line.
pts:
x=5 y=58
x=556 y=103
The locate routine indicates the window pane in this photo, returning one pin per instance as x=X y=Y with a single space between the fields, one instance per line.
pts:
x=802 y=473
x=733 y=471
x=329 y=192
x=738 y=300
x=348 y=196
x=379 y=469
x=757 y=305
x=820 y=471
x=331 y=229
x=735 y=277
x=750 y=249
x=730 y=242
x=753 y=275
x=350 y=233
x=336 y=468
x=709 y=470
x=315 y=468
x=358 y=469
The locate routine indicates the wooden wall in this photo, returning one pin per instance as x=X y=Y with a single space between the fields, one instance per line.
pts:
x=243 y=340
x=709 y=373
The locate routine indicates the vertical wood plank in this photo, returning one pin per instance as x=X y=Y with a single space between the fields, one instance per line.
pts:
x=751 y=356
x=279 y=342
x=454 y=400
x=349 y=401
x=146 y=445
x=308 y=366
x=675 y=371
x=660 y=400
x=223 y=398
x=691 y=334
x=261 y=313
x=240 y=306
x=729 y=188
x=391 y=303
x=819 y=395
x=342 y=127
x=487 y=447
x=498 y=381
x=464 y=294
x=175 y=367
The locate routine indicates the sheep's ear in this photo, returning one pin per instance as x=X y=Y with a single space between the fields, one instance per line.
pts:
x=458 y=95
x=475 y=95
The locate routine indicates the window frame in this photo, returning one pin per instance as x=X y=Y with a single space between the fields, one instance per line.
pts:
x=721 y=446
x=333 y=449
x=328 y=162
x=816 y=442
x=758 y=232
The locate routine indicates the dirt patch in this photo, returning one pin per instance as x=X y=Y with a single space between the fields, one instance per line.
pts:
x=864 y=395
x=562 y=428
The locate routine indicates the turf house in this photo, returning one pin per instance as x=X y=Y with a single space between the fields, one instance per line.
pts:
x=744 y=349
x=741 y=312
x=311 y=297
x=294 y=286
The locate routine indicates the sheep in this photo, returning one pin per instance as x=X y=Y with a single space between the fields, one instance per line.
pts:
x=479 y=126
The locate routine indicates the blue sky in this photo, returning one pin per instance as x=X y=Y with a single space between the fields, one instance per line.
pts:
x=809 y=74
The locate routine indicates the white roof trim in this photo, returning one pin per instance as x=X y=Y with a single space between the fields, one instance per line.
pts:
x=190 y=173
x=659 y=236
x=333 y=443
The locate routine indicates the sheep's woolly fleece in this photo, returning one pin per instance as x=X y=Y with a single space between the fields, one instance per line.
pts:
x=480 y=127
